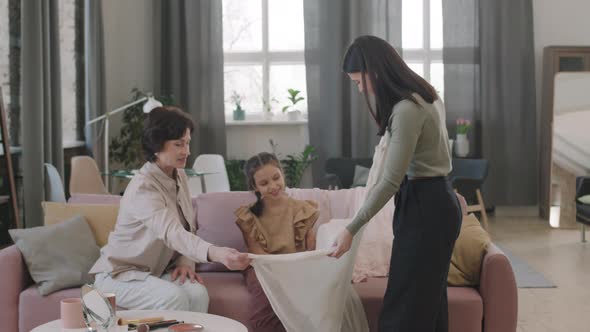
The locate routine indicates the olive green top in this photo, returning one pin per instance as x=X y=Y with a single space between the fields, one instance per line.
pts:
x=418 y=147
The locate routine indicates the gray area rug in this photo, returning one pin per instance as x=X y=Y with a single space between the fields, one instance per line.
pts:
x=526 y=276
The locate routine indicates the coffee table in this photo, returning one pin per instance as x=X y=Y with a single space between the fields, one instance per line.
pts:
x=212 y=323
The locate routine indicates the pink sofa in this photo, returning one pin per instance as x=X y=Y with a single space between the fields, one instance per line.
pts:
x=492 y=307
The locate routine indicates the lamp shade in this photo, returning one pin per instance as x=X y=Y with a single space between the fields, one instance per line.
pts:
x=150 y=104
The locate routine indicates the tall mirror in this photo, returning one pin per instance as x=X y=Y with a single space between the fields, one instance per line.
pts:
x=571 y=144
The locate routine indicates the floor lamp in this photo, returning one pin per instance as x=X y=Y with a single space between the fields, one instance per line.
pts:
x=150 y=104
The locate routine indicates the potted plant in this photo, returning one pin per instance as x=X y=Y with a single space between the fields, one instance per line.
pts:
x=126 y=147
x=267 y=108
x=239 y=113
x=462 y=143
x=292 y=113
x=295 y=165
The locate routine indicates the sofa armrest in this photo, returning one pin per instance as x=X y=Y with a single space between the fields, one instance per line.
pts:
x=498 y=291
x=15 y=278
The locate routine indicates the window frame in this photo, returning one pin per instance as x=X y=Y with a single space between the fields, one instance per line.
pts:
x=425 y=55
x=265 y=57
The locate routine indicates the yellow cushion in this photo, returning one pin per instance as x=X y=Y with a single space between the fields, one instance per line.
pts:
x=470 y=249
x=100 y=217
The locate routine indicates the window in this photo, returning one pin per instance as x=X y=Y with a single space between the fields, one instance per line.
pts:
x=10 y=65
x=422 y=40
x=263 y=44
x=72 y=72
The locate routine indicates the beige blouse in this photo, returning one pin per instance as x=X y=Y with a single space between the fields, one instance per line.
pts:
x=280 y=234
x=155 y=228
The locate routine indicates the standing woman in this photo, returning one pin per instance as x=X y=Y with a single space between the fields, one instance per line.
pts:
x=427 y=214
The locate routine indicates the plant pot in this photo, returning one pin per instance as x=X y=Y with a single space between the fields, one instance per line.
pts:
x=268 y=116
x=294 y=115
x=239 y=115
x=462 y=145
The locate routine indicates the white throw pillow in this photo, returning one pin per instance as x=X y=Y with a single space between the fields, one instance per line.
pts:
x=584 y=199
x=361 y=174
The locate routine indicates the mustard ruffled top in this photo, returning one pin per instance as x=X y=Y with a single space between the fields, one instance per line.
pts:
x=283 y=233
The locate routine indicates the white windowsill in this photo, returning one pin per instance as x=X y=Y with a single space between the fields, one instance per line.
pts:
x=265 y=122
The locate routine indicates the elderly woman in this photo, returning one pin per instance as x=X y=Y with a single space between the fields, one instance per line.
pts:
x=153 y=249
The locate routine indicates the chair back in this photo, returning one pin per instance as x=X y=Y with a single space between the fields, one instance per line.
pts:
x=55 y=187
x=474 y=169
x=343 y=168
x=85 y=177
x=218 y=181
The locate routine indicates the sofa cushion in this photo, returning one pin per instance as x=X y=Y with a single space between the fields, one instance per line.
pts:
x=216 y=220
x=470 y=249
x=361 y=175
x=58 y=256
x=100 y=217
x=94 y=199
x=35 y=309
x=228 y=295
x=465 y=305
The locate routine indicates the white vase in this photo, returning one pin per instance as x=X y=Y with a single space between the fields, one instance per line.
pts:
x=461 y=145
x=294 y=115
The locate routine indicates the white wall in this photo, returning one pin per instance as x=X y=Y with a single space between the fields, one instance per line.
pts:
x=129 y=58
x=558 y=23
x=129 y=52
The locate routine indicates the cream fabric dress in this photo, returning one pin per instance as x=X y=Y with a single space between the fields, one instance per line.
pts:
x=310 y=291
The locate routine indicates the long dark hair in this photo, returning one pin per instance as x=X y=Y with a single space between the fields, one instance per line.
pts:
x=392 y=79
x=250 y=168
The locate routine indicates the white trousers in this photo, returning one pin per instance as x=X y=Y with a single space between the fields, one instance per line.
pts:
x=155 y=293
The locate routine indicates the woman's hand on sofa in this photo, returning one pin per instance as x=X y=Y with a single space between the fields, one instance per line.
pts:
x=186 y=272
x=231 y=258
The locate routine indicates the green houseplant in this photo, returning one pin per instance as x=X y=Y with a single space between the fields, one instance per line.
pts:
x=292 y=113
x=126 y=147
x=267 y=108
x=239 y=113
x=235 y=174
x=295 y=165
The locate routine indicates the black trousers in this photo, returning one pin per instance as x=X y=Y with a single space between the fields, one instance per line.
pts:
x=426 y=223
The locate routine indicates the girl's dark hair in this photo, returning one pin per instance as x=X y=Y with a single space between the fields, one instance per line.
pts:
x=163 y=124
x=250 y=168
x=392 y=79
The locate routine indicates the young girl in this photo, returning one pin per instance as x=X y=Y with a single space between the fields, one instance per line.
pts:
x=274 y=224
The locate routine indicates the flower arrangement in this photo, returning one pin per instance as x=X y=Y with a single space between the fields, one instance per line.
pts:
x=463 y=126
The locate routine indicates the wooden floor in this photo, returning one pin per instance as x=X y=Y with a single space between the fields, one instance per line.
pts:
x=560 y=256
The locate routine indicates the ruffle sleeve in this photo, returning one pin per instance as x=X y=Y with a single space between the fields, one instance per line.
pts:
x=306 y=214
x=249 y=224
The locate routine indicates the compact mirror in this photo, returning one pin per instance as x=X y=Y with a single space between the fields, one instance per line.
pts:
x=97 y=309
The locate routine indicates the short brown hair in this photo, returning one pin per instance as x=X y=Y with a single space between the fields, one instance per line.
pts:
x=163 y=124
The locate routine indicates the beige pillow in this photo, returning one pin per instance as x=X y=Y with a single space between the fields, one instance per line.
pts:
x=470 y=249
x=100 y=217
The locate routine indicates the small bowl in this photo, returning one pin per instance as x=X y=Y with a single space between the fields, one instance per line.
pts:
x=185 y=327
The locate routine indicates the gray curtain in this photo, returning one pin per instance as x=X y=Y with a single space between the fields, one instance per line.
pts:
x=339 y=123
x=41 y=102
x=508 y=110
x=489 y=79
x=190 y=34
x=94 y=83
x=461 y=67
